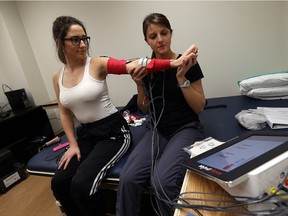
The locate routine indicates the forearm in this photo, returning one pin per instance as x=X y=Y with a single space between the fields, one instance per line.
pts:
x=194 y=96
x=115 y=66
x=195 y=100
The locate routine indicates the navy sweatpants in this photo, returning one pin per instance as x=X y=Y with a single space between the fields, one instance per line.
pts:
x=163 y=170
x=101 y=144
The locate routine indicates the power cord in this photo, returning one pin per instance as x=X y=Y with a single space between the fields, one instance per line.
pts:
x=3 y=86
x=155 y=140
x=278 y=198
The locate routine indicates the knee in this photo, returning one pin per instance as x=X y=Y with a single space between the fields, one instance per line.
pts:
x=129 y=179
x=158 y=182
x=126 y=178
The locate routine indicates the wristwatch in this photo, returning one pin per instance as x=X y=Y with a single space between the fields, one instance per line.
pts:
x=185 y=84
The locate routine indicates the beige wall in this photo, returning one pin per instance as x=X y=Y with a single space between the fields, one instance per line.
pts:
x=235 y=40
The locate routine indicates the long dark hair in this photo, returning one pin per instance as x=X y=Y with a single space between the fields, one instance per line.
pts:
x=155 y=18
x=60 y=28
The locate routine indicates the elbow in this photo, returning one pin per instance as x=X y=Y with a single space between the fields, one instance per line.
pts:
x=200 y=108
x=144 y=110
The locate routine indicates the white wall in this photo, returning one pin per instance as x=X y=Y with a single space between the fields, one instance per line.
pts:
x=235 y=39
x=17 y=58
x=285 y=30
x=9 y=63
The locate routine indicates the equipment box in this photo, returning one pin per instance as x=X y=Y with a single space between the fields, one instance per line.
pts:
x=11 y=174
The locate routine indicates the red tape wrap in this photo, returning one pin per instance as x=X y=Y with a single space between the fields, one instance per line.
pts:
x=115 y=66
x=156 y=65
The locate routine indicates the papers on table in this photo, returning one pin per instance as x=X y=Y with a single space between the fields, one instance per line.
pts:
x=202 y=146
x=277 y=117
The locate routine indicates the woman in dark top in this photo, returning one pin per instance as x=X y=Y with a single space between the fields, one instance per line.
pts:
x=172 y=98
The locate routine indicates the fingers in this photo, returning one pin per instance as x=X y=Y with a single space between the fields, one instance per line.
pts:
x=64 y=161
x=191 y=53
x=192 y=49
x=142 y=73
x=138 y=74
x=78 y=156
x=192 y=57
x=187 y=63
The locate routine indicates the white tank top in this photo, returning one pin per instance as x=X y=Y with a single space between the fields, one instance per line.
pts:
x=89 y=100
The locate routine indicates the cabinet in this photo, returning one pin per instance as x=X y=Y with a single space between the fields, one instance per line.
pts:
x=22 y=131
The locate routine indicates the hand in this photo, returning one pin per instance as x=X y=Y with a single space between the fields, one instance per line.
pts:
x=191 y=49
x=131 y=66
x=138 y=74
x=65 y=159
x=191 y=53
x=189 y=58
x=187 y=63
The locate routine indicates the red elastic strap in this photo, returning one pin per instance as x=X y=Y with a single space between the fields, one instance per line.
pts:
x=156 y=65
x=115 y=66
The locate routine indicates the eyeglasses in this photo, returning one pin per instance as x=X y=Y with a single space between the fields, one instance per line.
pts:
x=77 y=40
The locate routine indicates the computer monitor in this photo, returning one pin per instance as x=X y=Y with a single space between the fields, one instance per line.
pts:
x=230 y=163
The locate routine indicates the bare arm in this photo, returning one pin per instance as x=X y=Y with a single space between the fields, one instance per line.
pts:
x=194 y=93
x=66 y=118
x=194 y=96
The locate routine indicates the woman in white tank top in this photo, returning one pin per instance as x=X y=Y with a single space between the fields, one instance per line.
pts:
x=103 y=137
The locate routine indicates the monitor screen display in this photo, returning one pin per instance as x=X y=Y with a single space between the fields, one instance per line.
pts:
x=231 y=162
x=236 y=155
